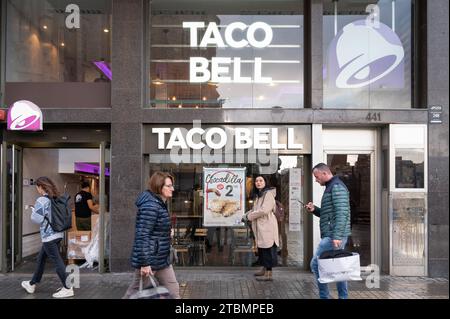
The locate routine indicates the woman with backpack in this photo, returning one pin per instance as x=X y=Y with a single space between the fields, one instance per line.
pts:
x=51 y=239
x=264 y=226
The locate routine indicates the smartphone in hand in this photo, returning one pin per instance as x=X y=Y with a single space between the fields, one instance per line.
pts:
x=303 y=204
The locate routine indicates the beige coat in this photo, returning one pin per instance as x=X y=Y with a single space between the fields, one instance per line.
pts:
x=264 y=222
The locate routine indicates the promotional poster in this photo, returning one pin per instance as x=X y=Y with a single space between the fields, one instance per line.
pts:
x=224 y=196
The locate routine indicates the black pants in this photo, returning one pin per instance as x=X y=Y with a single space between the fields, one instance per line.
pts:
x=268 y=257
x=50 y=250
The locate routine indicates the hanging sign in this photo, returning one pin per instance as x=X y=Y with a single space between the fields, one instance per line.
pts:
x=24 y=116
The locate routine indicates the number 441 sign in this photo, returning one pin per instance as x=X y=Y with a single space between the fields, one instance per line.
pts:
x=224 y=198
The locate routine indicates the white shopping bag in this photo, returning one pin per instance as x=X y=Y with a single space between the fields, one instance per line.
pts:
x=339 y=269
x=91 y=251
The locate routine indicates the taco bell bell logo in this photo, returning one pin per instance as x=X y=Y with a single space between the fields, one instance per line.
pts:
x=366 y=55
x=24 y=116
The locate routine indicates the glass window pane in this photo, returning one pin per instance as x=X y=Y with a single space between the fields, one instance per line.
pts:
x=44 y=43
x=354 y=170
x=368 y=54
x=250 y=58
x=409 y=168
x=186 y=209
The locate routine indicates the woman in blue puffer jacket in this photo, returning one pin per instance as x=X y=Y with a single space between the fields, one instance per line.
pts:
x=151 y=248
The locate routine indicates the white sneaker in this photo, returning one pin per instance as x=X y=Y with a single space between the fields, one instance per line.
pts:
x=29 y=288
x=63 y=293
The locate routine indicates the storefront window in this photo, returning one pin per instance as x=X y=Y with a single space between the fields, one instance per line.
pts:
x=226 y=54
x=368 y=58
x=225 y=246
x=409 y=168
x=214 y=168
x=58 y=41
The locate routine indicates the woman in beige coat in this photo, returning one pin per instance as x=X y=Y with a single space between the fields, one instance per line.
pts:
x=264 y=226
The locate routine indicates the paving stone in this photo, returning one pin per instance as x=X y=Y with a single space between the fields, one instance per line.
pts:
x=231 y=283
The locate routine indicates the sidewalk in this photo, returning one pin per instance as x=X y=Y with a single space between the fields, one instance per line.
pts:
x=235 y=283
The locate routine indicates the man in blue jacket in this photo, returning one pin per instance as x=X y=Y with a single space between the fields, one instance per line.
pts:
x=334 y=214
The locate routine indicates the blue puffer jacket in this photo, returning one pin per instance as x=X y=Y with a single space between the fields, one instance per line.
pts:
x=152 y=238
x=334 y=212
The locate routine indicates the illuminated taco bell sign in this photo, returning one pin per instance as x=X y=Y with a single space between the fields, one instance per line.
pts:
x=364 y=54
x=24 y=116
x=237 y=35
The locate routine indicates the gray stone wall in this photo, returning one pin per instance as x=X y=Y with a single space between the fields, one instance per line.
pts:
x=126 y=155
x=438 y=136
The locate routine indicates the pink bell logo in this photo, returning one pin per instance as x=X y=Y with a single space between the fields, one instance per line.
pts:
x=24 y=116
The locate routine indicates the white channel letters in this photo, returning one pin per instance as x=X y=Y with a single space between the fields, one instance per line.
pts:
x=220 y=66
x=223 y=145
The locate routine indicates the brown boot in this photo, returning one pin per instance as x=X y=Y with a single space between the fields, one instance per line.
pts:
x=267 y=276
x=261 y=272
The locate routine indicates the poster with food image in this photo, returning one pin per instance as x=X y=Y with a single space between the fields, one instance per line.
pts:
x=224 y=196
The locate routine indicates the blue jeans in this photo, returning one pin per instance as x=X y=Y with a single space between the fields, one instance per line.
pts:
x=51 y=250
x=327 y=244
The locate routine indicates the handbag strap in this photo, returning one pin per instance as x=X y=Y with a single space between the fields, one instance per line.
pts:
x=264 y=197
x=141 y=282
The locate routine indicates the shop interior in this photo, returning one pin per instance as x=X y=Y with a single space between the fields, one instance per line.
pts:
x=67 y=168
x=227 y=246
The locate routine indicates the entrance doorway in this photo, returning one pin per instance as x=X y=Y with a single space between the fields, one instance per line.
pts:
x=11 y=160
x=355 y=171
x=20 y=167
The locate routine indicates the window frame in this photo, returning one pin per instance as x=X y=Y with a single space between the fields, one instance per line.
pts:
x=148 y=76
x=392 y=151
x=417 y=85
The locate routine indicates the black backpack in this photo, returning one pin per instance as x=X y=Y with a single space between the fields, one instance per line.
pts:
x=61 y=215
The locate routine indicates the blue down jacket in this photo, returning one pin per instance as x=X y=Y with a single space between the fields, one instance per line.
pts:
x=152 y=235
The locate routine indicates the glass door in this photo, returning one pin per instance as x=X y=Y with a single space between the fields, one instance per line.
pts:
x=355 y=170
x=11 y=206
x=104 y=220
